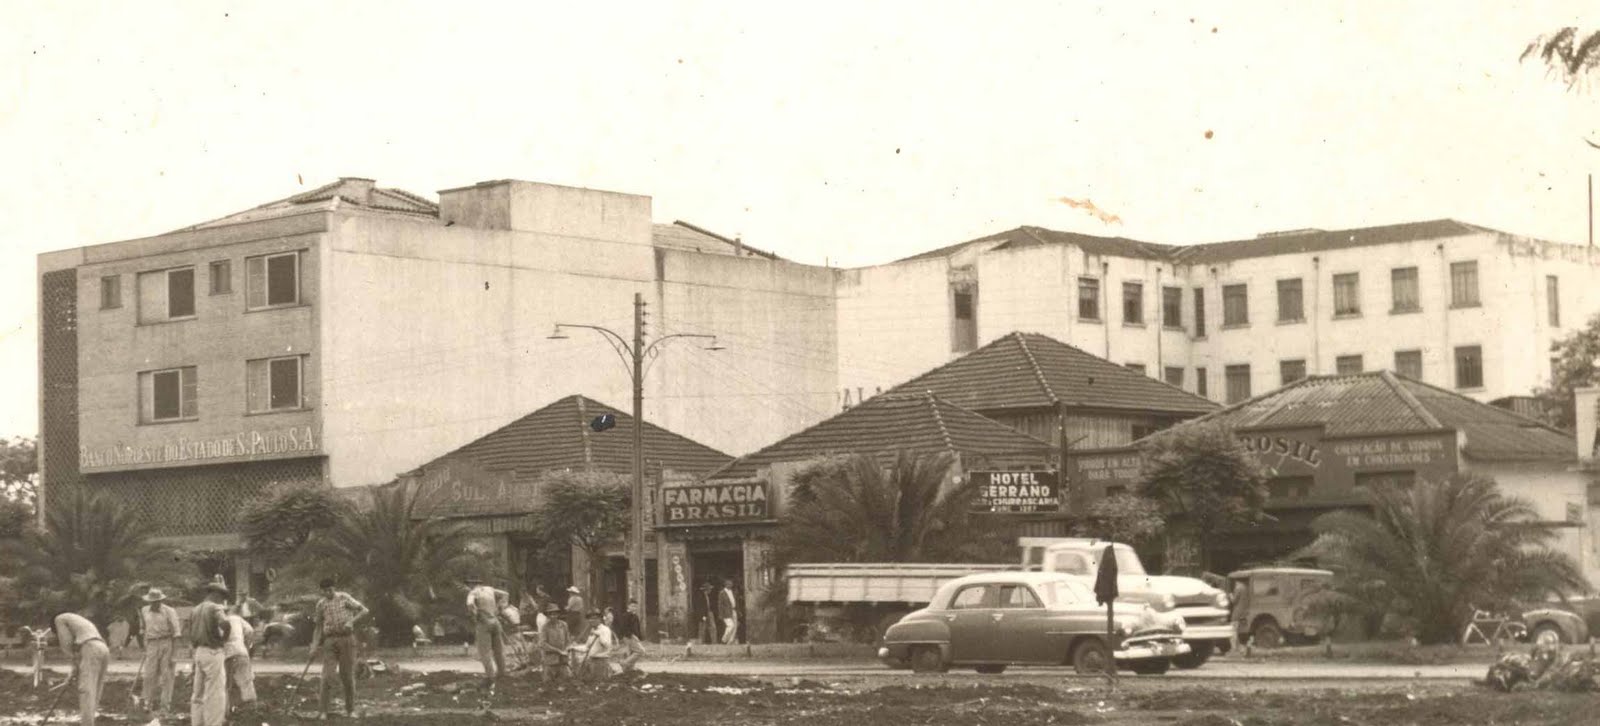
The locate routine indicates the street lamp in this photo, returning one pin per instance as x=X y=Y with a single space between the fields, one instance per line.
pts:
x=633 y=357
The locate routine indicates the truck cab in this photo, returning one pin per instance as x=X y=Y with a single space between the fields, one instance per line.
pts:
x=1204 y=608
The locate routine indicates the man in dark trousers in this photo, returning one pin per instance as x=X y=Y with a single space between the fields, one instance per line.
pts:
x=711 y=628
x=629 y=637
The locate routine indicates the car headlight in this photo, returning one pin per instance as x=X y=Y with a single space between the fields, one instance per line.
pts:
x=1165 y=602
x=1221 y=599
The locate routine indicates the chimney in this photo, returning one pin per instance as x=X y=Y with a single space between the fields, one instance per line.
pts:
x=1586 y=404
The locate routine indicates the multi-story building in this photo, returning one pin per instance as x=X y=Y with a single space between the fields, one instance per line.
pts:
x=1453 y=304
x=351 y=333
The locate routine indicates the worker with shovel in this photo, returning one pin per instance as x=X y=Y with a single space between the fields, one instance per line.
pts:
x=553 y=642
x=81 y=641
x=158 y=637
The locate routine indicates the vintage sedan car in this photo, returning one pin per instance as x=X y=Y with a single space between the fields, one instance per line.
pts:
x=996 y=619
x=1572 y=621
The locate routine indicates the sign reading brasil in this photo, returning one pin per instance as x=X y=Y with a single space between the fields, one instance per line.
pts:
x=1016 y=491
x=244 y=445
x=715 y=502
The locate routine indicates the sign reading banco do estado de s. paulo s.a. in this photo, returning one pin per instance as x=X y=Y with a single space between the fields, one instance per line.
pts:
x=246 y=445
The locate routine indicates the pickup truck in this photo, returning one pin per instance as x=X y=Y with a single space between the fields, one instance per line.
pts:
x=859 y=601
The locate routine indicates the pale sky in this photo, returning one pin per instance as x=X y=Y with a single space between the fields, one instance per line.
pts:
x=853 y=133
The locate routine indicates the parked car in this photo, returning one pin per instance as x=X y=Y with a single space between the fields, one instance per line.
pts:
x=1270 y=604
x=993 y=620
x=1572 y=621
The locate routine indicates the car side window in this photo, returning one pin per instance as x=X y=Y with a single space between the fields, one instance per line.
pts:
x=1072 y=563
x=1264 y=587
x=970 y=598
x=1018 y=596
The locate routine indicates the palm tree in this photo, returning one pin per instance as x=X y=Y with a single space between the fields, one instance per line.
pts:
x=1566 y=52
x=396 y=561
x=92 y=556
x=1436 y=550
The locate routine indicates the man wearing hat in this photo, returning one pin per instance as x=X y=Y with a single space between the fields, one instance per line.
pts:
x=574 y=609
x=483 y=609
x=554 y=638
x=597 y=649
x=158 y=635
x=208 y=633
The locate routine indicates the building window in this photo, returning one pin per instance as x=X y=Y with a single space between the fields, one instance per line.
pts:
x=272 y=280
x=964 y=333
x=1552 y=296
x=1199 y=313
x=1200 y=382
x=1172 y=307
x=1088 y=298
x=166 y=295
x=1173 y=375
x=1290 y=487
x=1133 y=303
x=1346 y=365
x=168 y=395
x=221 y=277
x=1469 y=366
x=1365 y=481
x=1291 y=370
x=1403 y=290
x=273 y=384
x=1135 y=367
x=1238 y=382
x=1464 y=284
x=1141 y=430
x=110 y=292
x=1408 y=363
x=1235 y=305
x=1347 y=294
x=1291 y=301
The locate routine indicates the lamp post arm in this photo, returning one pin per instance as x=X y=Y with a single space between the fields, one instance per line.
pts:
x=647 y=356
x=618 y=343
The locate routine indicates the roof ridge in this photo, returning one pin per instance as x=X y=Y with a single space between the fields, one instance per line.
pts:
x=1248 y=401
x=1526 y=420
x=1038 y=373
x=938 y=419
x=1411 y=401
x=991 y=423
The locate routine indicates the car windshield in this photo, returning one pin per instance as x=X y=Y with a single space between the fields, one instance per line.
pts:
x=1127 y=561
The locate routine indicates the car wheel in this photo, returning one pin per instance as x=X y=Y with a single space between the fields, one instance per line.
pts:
x=1199 y=653
x=926 y=659
x=1267 y=634
x=991 y=668
x=1152 y=667
x=1091 y=657
x=1548 y=634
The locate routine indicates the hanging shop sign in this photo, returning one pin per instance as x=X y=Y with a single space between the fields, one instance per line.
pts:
x=246 y=445
x=715 y=503
x=459 y=487
x=1016 y=492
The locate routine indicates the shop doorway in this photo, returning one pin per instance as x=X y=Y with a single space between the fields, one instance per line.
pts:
x=710 y=570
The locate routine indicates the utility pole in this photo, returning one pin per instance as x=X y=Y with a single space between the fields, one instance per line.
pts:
x=636 y=541
x=633 y=359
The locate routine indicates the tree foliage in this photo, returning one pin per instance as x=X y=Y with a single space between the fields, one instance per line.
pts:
x=584 y=509
x=1568 y=53
x=92 y=557
x=19 y=465
x=1434 y=552
x=1126 y=518
x=281 y=518
x=395 y=562
x=1204 y=478
x=854 y=509
x=1576 y=356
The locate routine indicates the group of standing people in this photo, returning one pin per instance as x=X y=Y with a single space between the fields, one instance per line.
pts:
x=568 y=640
x=721 y=623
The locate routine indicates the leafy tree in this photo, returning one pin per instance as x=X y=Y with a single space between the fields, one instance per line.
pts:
x=854 y=509
x=19 y=465
x=1575 y=367
x=584 y=509
x=1435 y=551
x=396 y=562
x=1204 y=478
x=15 y=516
x=281 y=518
x=1567 y=52
x=92 y=557
x=1126 y=518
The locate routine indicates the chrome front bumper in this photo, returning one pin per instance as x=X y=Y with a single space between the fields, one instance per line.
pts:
x=1208 y=632
x=1151 y=646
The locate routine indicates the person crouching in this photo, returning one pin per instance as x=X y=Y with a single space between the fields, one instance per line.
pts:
x=236 y=660
x=598 y=648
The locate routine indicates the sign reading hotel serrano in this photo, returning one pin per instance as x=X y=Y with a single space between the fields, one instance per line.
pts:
x=715 y=503
x=247 y=445
x=1299 y=452
x=1016 y=492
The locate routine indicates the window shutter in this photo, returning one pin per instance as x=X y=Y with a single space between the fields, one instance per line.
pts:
x=256 y=384
x=255 y=272
x=191 y=392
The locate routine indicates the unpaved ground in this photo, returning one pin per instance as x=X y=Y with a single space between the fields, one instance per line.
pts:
x=678 y=699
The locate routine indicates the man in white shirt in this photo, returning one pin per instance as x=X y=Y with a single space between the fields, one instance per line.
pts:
x=598 y=648
x=483 y=608
x=728 y=605
x=82 y=643
x=208 y=633
x=236 y=654
x=158 y=633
